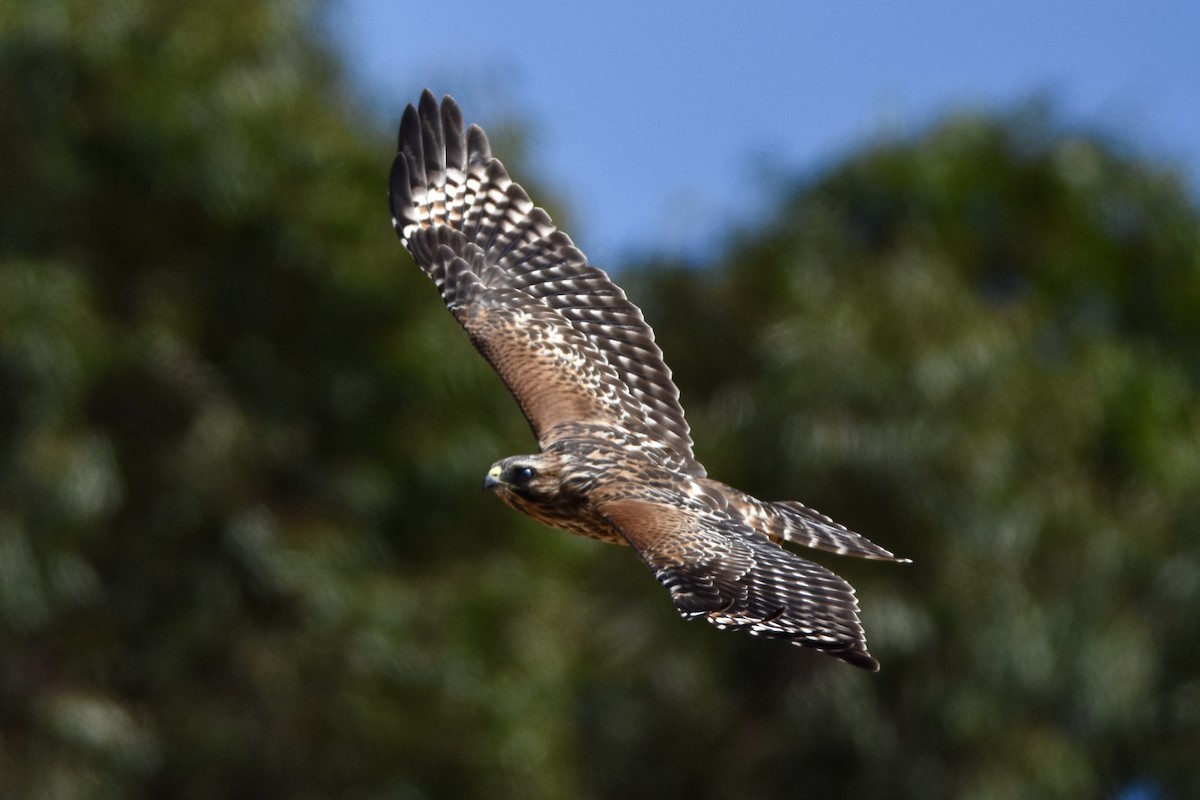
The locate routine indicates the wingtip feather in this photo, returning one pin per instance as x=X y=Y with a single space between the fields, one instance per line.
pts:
x=452 y=134
x=408 y=139
x=479 y=149
x=433 y=145
x=399 y=194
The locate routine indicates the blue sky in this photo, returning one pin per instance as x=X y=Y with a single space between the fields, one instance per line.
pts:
x=657 y=122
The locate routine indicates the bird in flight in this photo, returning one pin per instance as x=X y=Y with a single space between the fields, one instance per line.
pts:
x=615 y=460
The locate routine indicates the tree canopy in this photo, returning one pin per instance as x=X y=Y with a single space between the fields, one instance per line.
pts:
x=242 y=547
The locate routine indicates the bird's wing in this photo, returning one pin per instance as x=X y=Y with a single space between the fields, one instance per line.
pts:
x=535 y=308
x=718 y=569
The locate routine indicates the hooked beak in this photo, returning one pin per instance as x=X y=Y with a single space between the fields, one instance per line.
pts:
x=492 y=479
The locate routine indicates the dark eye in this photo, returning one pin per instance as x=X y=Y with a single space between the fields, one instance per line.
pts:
x=522 y=474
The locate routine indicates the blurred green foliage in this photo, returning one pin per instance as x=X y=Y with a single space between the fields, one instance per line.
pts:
x=242 y=549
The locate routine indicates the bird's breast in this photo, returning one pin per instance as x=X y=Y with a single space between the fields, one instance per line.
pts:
x=572 y=514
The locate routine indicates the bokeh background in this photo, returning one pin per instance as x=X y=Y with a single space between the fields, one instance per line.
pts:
x=243 y=553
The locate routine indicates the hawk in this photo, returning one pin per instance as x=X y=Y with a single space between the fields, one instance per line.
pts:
x=615 y=460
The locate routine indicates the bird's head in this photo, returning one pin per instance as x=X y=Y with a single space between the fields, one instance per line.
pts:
x=546 y=488
x=528 y=478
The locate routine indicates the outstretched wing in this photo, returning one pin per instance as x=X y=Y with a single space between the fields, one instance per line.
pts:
x=718 y=569
x=526 y=295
